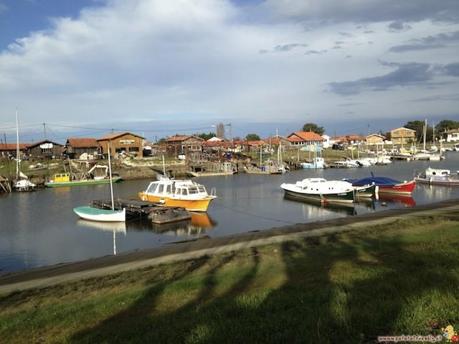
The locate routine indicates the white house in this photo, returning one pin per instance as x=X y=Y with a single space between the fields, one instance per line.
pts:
x=452 y=135
x=327 y=143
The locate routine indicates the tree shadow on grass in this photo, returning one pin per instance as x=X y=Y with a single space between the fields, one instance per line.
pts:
x=339 y=292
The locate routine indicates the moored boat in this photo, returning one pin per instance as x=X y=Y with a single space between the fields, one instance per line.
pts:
x=178 y=193
x=387 y=185
x=433 y=176
x=100 y=215
x=322 y=190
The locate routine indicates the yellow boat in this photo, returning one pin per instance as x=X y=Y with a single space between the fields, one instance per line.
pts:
x=178 y=193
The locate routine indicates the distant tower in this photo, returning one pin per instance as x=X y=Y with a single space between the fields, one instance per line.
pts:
x=220 y=130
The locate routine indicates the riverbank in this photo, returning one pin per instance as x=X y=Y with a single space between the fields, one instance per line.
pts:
x=346 y=280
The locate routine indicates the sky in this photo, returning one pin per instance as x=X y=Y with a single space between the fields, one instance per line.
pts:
x=161 y=66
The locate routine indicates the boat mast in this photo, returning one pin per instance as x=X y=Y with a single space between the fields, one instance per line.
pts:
x=17 y=146
x=110 y=176
x=425 y=134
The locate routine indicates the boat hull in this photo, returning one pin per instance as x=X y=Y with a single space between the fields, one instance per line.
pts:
x=100 y=215
x=337 y=198
x=439 y=182
x=200 y=205
x=81 y=182
x=402 y=188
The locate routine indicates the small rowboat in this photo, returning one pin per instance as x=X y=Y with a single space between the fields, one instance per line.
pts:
x=100 y=215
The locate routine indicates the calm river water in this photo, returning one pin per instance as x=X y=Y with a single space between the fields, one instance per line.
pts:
x=40 y=228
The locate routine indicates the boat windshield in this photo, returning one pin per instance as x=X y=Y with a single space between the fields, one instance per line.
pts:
x=193 y=190
x=152 y=188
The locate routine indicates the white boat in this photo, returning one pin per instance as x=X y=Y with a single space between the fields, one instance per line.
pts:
x=383 y=160
x=435 y=176
x=320 y=190
x=348 y=163
x=24 y=185
x=100 y=215
x=103 y=215
x=365 y=162
x=317 y=162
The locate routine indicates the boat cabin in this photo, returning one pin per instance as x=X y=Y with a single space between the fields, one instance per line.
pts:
x=179 y=188
x=430 y=172
x=61 y=177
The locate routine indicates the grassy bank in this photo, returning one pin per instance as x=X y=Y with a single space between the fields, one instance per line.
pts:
x=401 y=278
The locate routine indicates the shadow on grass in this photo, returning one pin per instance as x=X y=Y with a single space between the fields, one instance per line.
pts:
x=337 y=292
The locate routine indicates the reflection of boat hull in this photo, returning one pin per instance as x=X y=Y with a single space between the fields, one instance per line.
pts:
x=81 y=182
x=191 y=205
x=407 y=200
x=342 y=197
x=100 y=215
x=347 y=208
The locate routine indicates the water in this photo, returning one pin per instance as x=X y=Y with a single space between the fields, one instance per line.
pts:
x=39 y=228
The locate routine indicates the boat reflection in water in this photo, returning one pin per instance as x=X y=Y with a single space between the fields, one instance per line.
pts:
x=114 y=227
x=407 y=201
x=436 y=192
x=196 y=227
x=313 y=209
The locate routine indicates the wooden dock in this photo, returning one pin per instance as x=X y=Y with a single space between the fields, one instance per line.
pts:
x=158 y=214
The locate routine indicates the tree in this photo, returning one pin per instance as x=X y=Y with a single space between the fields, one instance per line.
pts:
x=314 y=128
x=252 y=137
x=418 y=126
x=444 y=125
x=206 y=136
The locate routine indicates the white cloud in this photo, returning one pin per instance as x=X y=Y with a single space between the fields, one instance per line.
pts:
x=150 y=59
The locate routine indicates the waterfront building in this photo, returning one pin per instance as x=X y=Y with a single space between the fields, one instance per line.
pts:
x=122 y=143
x=9 y=149
x=375 y=139
x=305 y=138
x=45 y=149
x=402 y=136
x=452 y=135
x=74 y=147
x=184 y=145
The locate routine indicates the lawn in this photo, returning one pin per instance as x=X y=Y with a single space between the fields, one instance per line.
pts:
x=393 y=279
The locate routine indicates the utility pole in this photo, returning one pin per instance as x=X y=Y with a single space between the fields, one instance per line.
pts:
x=44 y=131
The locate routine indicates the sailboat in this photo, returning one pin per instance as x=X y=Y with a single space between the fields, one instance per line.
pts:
x=22 y=182
x=281 y=169
x=103 y=215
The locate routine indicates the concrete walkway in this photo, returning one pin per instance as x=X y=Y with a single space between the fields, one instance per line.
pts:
x=52 y=275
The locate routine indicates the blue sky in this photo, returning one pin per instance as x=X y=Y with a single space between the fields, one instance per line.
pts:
x=259 y=64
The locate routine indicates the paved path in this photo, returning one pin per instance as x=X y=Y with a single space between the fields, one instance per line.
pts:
x=51 y=275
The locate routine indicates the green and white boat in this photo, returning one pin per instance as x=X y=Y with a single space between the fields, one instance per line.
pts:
x=103 y=215
x=100 y=215
x=98 y=174
x=64 y=179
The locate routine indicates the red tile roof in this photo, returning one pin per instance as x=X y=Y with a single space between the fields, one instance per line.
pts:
x=87 y=142
x=12 y=146
x=301 y=136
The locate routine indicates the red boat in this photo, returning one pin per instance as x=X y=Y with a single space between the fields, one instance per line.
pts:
x=405 y=188
x=387 y=185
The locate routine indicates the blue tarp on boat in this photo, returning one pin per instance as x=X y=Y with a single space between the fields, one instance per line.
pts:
x=378 y=181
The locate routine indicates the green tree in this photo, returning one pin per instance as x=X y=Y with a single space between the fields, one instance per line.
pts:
x=314 y=128
x=418 y=126
x=444 y=125
x=252 y=137
x=206 y=136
